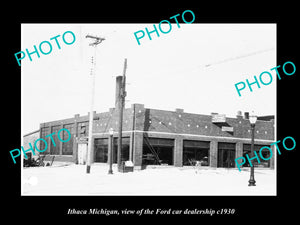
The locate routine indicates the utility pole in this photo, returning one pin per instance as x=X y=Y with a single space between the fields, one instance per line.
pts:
x=97 y=40
x=121 y=97
x=132 y=135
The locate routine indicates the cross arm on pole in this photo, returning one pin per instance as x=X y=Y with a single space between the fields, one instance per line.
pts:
x=98 y=40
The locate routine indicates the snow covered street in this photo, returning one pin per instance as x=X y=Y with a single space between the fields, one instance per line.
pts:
x=73 y=180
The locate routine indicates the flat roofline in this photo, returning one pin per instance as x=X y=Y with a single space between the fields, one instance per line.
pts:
x=196 y=114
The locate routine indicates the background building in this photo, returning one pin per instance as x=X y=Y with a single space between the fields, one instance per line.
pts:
x=30 y=138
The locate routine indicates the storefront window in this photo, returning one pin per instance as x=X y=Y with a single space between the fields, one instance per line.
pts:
x=195 y=152
x=265 y=153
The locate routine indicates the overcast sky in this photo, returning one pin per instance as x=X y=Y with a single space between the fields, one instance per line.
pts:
x=193 y=67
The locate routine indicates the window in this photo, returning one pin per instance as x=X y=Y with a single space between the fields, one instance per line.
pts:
x=67 y=147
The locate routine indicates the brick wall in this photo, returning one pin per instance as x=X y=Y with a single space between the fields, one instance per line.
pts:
x=177 y=125
x=31 y=138
x=187 y=123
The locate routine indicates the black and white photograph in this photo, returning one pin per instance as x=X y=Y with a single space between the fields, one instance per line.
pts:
x=183 y=122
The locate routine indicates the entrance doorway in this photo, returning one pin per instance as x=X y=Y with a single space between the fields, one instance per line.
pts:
x=82 y=153
x=158 y=151
x=101 y=149
x=226 y=158
x=226 y=155
x=265 y=153
x=195 y=151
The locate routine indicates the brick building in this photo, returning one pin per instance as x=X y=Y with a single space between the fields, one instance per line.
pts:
x=152 y=136
x=30 y=138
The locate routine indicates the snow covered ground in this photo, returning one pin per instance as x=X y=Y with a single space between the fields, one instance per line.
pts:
x=73 y=180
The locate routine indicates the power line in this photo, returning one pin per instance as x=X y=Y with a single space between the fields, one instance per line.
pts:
x=239 y=57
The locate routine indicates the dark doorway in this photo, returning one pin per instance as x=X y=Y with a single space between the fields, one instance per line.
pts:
x=124 y=151
x=158 y=151
x=195 y=151
x=265 y=153
x=101 y=149
x=226 y=158
x=226 y=155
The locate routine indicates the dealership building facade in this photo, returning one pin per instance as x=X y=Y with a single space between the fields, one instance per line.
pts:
x=161 y=137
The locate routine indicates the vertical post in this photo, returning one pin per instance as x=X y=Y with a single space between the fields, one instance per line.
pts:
x=120 y=131
x=119 y=81
x=60 y=143
x=75 y=140
x=272 y=160
x=132 y=135
x=178 y=151
x=238 y=151
x=98 y=40
x=141 y=116
x=48 y=141
x=252 y=181
x=91 y=115
x=110 y=152
x=213 y=153
x=138 y=150
x=121 y=101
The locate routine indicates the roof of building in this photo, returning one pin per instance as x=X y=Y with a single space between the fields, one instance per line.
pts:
x=33 y=132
